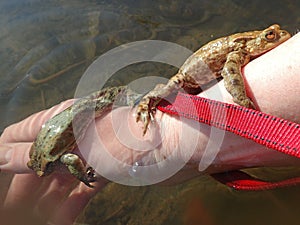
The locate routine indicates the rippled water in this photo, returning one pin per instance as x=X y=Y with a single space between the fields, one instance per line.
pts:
x=45 y=47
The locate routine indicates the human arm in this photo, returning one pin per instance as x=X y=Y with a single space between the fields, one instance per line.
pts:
x=272 y=83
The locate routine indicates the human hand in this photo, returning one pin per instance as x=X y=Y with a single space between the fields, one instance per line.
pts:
x=57 y=198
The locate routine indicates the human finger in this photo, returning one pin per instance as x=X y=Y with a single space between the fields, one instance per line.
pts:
x=76 y=202
x=27 y=129
x=16 y=140
x=14 y=157
x=45 y=201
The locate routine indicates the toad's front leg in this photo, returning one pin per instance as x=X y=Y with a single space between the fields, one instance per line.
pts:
x=233 y=79
x=146 y=106
x=77 y=168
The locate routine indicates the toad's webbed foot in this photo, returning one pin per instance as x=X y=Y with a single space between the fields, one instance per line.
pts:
x=146 y=107
x=77 y=168
x=144 y=112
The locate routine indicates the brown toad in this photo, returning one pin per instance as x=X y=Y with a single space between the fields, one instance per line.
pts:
x=59 y=136
x=222 y=57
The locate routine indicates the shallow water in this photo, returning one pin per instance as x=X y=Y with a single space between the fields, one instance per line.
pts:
x=45 y=47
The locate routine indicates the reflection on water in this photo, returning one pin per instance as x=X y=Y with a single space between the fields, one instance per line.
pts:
x=199 y=201
x=45 y=46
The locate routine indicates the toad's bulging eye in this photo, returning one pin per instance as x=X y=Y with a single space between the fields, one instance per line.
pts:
x=270 y=35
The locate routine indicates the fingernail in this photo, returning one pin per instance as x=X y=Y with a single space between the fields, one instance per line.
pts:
x=5 y=154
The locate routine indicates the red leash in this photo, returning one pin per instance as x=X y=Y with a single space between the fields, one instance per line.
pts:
x=265 y=129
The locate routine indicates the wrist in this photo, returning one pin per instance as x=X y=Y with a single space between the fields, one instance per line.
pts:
x=272 y=82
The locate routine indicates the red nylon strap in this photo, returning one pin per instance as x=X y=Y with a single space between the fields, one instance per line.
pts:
x=242 y=181
x=265 y=129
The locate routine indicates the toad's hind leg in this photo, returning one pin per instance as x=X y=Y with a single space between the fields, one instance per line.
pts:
x=233 y=79
x=77 y=168
x=146 y=106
